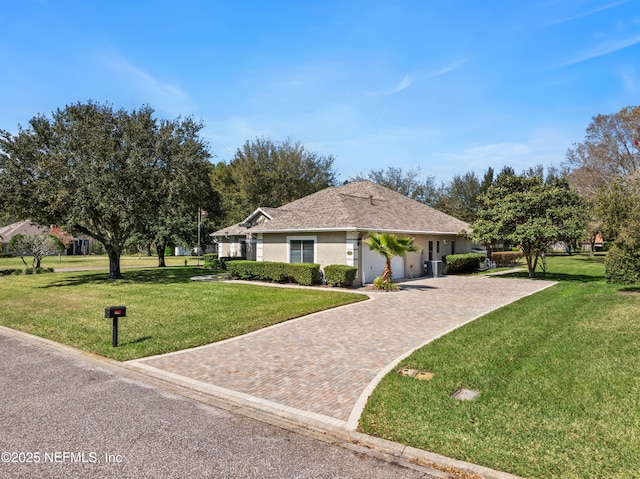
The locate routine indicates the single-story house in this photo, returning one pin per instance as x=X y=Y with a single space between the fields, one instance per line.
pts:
x=329 y=226
x=27 y=227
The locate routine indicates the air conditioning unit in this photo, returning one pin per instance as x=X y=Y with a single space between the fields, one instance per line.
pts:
x=433 y=269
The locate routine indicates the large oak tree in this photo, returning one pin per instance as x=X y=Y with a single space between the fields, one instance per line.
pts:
x=100 y=172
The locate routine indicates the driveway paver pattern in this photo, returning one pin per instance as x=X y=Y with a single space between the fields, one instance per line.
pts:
x=322 y=363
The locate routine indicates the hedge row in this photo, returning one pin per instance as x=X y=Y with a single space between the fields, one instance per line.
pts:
x=506 y=258
x=340 y=275
x=301 y=273
x=463 y=263
x=18 y=271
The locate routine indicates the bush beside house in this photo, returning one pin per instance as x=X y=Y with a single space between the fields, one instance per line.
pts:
x=506 y=258
x=463 y=263
x=300 y=273
x=340 y=275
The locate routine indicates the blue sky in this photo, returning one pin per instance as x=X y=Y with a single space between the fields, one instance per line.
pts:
x=450 y=86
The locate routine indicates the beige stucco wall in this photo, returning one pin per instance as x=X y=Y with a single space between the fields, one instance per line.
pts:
x=331 y=248
x=229 y=246
x=414 y=262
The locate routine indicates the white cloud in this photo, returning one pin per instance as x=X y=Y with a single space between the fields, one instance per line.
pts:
x=160 y=95
x=604 y=49
x=542 y=147
x=448 y=68
x=588 y=12
x=403 y=84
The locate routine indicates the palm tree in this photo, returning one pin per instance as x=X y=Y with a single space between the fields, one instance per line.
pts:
x=390 y=245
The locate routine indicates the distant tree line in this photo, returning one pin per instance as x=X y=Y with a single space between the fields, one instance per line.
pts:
x=127 y=178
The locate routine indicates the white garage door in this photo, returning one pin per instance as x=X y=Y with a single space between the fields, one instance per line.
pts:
x=373 y=265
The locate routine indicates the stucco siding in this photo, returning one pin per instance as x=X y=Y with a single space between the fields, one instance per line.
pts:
x=330 y=248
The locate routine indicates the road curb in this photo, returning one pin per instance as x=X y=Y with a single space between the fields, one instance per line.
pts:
x=434 y=465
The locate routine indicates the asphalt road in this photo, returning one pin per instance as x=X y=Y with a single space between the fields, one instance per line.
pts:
x=63 y=417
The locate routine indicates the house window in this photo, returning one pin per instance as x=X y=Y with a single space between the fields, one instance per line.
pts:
x=453 y=247
x=430 y=250
x=301 y=251
x=438 y=247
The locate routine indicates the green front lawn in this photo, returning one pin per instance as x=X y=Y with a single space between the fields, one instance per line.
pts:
x=97 y=261
x=166 y=311
x=558 y=374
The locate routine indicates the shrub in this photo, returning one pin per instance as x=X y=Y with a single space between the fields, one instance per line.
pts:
x=506 y=258
x=340 y=274
x=6 y=255
x=301 y=273
x=211 y=261
x=463 y=263
x=622 y=265
x=380 y=284
x=7 y=272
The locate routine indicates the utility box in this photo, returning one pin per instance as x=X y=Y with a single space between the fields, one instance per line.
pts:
x=433 y=269
x=115 y=312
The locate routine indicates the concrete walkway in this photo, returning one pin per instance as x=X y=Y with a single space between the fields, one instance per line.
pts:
x=323 y=367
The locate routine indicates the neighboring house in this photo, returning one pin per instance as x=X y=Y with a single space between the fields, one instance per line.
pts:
x=28 y=227
x=328 y=227
x=598 y=244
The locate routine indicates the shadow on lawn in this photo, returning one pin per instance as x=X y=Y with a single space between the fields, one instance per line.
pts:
x=136 y=341
x=582 y=278
x=169 y=275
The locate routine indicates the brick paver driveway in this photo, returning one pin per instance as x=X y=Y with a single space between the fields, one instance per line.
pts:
x=326 y=364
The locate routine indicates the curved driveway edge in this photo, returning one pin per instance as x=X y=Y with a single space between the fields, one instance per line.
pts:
x=324 y=366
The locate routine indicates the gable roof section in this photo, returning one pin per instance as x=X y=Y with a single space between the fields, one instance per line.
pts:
x=258 y=216
x=26 y=227
x=359 y=206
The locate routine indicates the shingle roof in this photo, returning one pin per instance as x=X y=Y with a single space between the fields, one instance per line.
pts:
x=26 y=227
x=359 y=206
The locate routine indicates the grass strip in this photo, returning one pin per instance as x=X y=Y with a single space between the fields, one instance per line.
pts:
x=558 y=377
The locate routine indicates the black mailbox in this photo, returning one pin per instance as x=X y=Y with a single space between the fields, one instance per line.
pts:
x=115 y=312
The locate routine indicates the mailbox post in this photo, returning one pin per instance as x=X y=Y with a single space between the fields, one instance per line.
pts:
x=115 y=312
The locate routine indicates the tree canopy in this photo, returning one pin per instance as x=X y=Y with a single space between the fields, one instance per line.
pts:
x=610 y=149
x=407 y=183
x=526 y=212
x=264 y=172
x=104 y=173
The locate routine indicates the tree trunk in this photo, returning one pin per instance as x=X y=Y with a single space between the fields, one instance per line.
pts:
x=387 y=276
x=114 y=261
x=531 y=265
x=161 y=247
